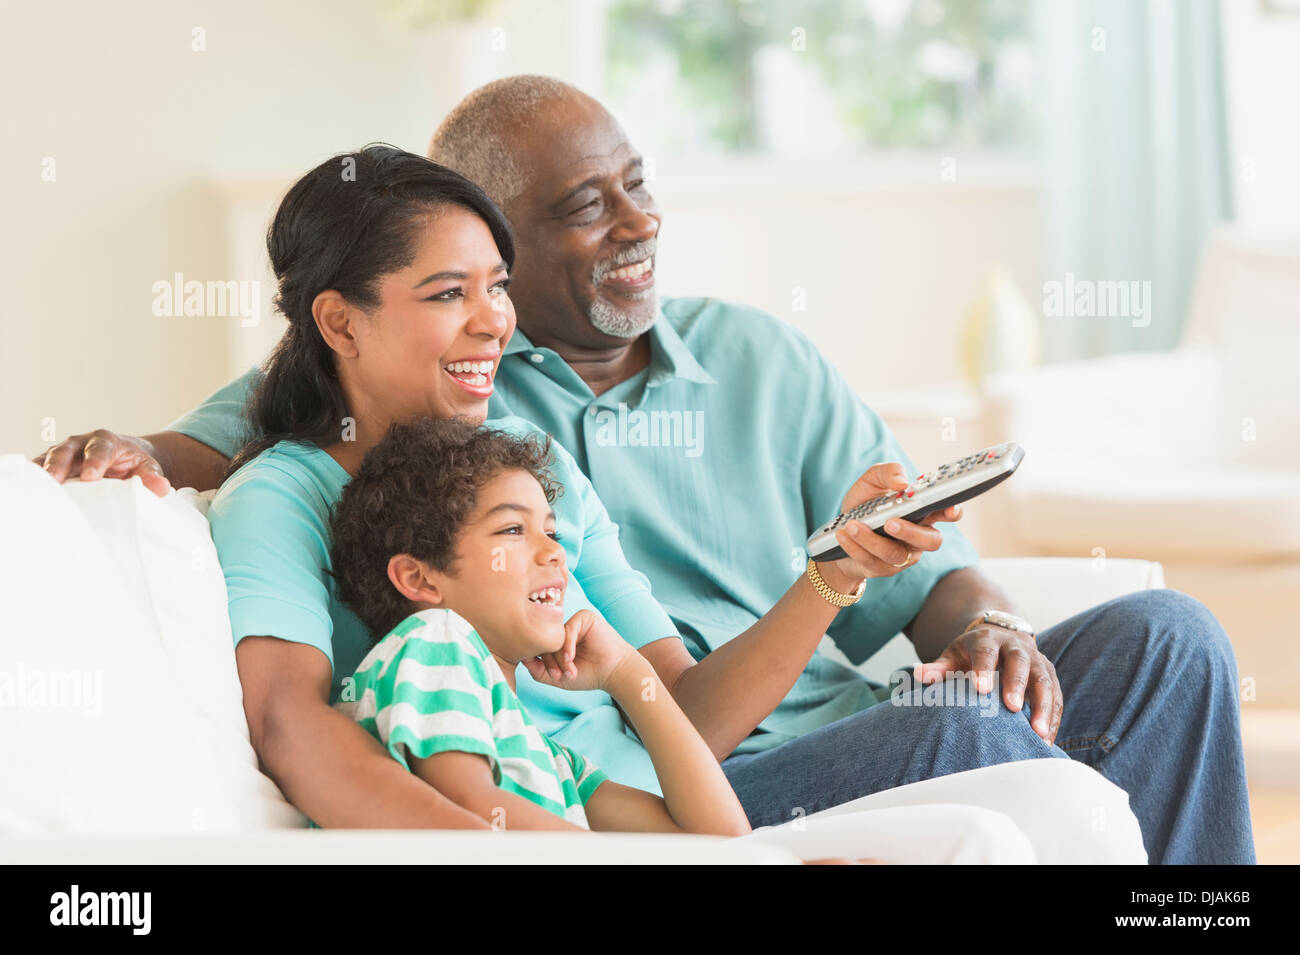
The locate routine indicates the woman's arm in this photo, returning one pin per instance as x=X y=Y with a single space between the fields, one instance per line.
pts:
x=325 y=763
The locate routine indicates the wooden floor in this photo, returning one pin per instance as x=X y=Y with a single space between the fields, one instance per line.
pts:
x=1276 y=817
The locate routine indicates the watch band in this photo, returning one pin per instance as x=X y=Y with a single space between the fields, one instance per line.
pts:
x=833 y=597
x=1007 y=621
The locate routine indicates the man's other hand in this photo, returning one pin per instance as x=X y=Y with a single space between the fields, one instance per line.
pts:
x=105 y=453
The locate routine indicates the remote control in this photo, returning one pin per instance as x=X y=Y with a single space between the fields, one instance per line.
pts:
x=932 y=491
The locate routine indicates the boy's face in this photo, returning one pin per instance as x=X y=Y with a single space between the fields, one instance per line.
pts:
x=509 y=574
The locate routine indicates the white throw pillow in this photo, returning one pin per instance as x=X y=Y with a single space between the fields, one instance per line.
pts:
x=120 y=705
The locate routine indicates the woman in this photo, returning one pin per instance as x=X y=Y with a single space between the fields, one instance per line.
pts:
x=393 y=275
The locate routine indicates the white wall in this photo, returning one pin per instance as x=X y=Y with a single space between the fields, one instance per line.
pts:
x=888 y=255
x=1262 y=62
x=147 y=135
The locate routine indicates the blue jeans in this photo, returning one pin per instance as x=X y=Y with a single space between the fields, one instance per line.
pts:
x=1151 y=702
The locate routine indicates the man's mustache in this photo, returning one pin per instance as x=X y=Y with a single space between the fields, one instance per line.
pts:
x=636 y=253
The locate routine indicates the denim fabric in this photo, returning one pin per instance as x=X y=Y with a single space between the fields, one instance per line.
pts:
x=1151 y=702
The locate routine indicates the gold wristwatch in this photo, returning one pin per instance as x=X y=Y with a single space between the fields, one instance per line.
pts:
x=834 y=597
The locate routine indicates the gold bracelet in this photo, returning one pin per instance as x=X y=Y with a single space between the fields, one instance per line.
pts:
x=834 y=597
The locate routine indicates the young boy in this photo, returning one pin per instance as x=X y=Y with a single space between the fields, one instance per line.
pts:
x=446 y=517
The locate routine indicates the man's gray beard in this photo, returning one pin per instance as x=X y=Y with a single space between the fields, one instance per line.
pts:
x=624 y=323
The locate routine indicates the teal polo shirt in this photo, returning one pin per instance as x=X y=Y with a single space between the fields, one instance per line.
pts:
x=717 y=461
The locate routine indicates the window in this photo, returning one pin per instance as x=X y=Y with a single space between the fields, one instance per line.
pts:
x=824 y=78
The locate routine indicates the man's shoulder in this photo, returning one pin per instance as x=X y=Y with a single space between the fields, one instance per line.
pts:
x=706 y=322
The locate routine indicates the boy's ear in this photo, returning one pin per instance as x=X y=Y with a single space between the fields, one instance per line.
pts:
x=414 y=580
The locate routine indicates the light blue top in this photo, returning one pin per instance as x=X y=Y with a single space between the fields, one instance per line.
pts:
x=270 y=523
x=717 y=461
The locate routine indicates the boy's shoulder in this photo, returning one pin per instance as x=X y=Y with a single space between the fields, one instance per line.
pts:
x=431 y=638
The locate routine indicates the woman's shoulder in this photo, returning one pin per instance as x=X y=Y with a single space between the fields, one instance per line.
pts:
x=286 y=473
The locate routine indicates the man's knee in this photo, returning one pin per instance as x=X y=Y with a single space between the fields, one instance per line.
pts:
x=1182 y=632
x=980 y=732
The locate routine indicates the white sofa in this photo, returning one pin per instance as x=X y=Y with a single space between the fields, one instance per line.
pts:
x=121 y=723
x=1190 y=457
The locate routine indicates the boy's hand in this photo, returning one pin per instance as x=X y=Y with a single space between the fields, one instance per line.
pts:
x=592 y=651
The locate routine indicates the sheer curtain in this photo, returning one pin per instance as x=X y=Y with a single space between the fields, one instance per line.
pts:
x=1135 y=165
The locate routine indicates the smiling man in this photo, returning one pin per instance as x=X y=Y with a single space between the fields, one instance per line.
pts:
x=1142 y=688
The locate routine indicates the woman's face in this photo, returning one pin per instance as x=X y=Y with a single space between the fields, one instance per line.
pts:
x=433 y=344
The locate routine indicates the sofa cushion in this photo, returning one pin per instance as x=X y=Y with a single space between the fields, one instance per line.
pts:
x=120 y=706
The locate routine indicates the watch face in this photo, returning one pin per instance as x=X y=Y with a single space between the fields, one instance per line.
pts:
x=1010 y=621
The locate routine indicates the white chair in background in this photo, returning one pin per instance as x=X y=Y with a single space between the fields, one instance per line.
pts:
x=1190 y=457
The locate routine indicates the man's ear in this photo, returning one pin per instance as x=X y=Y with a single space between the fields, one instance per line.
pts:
x=415 y=580
x=334 y=320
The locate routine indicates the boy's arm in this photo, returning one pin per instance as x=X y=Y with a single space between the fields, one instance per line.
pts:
x=466 y=779
x=697 y=797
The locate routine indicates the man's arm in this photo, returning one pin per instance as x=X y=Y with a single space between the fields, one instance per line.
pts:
x=957 y=598
x=161 y=461
x=187 y=462
x=193 y=451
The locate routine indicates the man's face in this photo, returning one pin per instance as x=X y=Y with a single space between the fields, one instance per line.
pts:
x=586 y=229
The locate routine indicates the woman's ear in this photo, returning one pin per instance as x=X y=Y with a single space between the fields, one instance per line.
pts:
x=334 y=318
x=415 y=580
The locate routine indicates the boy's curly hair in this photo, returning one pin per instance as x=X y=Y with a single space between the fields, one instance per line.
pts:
x=414 y=492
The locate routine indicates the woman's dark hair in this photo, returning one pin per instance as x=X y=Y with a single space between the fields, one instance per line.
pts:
x=414 y=492
x=346 y=224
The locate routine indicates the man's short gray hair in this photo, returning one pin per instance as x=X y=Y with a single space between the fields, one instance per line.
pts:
x=476 y=137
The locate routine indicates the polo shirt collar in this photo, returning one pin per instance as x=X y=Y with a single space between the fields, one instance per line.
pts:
x=669 y=356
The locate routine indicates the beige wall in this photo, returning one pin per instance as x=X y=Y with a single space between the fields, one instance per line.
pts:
x=146 y=134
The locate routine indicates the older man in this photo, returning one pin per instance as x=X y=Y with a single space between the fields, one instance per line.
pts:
x=717 y=437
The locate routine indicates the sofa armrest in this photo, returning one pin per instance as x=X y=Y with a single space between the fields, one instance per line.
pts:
x=1052 y=589
x=1047 y=589
x=384 y=847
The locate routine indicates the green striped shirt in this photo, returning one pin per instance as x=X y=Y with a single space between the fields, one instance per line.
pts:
x=432 y=686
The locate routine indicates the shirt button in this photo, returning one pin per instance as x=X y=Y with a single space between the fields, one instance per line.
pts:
x=593 y=411
x=537 y=358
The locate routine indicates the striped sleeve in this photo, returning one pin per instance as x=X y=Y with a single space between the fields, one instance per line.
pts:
x=586 y=777
x=425 y=689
